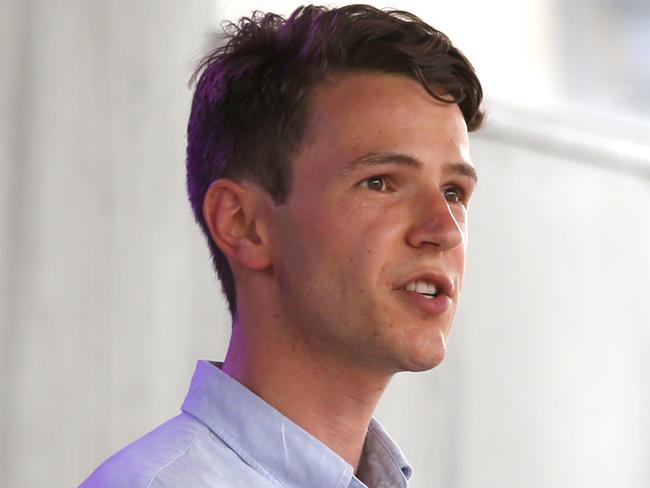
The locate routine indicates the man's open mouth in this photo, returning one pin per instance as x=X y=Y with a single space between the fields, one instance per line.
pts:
x=424 y=288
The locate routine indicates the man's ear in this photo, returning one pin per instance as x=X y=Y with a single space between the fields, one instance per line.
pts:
x=232 y=213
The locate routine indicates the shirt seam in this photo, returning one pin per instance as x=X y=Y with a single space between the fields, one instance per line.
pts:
x=159 y=470
x=251 y=458
x=344 y=481
x=221 y=433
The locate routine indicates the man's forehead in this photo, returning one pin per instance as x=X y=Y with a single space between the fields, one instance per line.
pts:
x=372 y=119
x=353 y=96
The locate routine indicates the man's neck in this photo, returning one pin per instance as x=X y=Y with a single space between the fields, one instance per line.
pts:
x=332 y=401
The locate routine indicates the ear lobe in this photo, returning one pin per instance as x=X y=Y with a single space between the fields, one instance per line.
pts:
x=231 y=214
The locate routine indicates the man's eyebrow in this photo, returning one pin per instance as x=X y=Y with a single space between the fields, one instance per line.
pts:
x=463 y=169
x=379 y=159
x=382 y=158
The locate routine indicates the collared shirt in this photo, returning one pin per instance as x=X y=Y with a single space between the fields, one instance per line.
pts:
x=228 y=437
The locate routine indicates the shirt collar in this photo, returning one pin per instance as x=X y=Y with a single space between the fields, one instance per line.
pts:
x=382 y=460
x=275 y=446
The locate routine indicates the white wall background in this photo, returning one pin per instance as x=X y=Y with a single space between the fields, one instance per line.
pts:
x=107 y=295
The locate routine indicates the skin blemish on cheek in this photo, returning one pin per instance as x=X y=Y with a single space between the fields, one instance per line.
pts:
x=354 y=210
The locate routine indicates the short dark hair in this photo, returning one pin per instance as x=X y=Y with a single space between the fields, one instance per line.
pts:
x=252 y=99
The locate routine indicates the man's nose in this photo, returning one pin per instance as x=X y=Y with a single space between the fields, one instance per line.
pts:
x=434 y=224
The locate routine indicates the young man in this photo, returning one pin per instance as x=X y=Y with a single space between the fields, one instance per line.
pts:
x=328 y=164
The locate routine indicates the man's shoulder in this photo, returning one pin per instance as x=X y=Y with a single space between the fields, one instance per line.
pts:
x=180 y=452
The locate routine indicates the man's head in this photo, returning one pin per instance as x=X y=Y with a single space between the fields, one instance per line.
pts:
x=254 y=97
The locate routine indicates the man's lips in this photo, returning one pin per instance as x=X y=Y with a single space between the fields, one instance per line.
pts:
x=444 y=285
x=430 y=292
x=430 y=306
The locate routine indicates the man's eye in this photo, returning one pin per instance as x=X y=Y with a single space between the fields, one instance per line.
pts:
x=375 y=183
x=454 y=194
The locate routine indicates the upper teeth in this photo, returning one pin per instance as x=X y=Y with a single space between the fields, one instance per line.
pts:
x=422 y=287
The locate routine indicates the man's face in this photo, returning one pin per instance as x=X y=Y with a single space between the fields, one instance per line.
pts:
x=378 y=203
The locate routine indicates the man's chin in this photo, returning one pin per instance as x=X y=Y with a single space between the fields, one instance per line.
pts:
x=418 y=367
x=425 y=356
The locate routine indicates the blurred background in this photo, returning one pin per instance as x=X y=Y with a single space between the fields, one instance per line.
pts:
x=107 y=295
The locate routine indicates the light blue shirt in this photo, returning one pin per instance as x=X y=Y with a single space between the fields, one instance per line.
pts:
x=228 y=437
